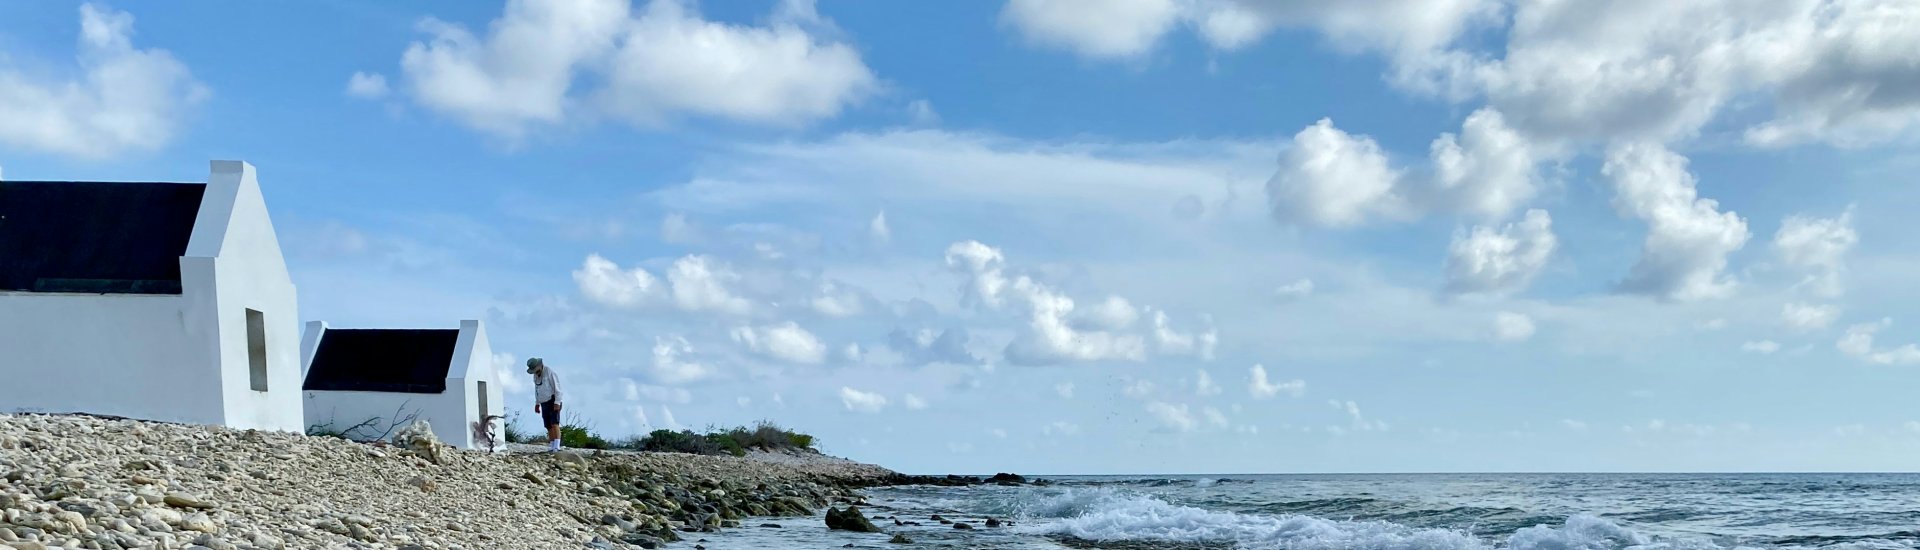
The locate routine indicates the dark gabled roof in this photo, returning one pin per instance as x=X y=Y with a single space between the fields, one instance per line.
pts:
x=384 y=360
x=95 y=237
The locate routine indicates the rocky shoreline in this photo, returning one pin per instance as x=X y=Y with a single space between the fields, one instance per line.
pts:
x=87 y=482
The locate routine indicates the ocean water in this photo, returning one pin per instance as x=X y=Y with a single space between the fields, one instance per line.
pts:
x=1390 y=512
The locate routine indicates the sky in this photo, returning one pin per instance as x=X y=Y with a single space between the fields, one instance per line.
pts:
x=1079 y=236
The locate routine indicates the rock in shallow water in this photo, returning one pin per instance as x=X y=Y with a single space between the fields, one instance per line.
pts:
x=850 y=519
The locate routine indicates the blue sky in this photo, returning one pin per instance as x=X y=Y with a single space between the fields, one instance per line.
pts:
x=1058 y=237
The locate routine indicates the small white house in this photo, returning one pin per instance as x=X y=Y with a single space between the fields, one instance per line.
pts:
x=443 y=376
x=156 y=301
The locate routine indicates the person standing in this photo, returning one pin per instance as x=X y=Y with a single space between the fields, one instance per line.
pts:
x=546 y=399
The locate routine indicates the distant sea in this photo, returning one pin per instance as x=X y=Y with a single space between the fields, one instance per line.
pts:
x=1391 y=512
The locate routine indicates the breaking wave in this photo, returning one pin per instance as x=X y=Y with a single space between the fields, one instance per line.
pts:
x=1106 y=517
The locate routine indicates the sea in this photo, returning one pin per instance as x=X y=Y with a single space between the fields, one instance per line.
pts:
x=1386 y=512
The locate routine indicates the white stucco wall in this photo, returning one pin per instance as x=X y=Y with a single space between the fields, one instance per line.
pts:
x=472 y=364
x=138 y=356
x=165 y=357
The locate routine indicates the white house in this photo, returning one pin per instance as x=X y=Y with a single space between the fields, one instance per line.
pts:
x=157 y=301
x=443 y=376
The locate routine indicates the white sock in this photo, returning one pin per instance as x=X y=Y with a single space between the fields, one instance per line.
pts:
x=555 y=444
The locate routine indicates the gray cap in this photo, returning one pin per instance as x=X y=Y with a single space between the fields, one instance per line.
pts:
x=534 y=363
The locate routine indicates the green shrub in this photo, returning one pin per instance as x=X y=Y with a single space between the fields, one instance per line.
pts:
x=578 y=434
x=734 y=441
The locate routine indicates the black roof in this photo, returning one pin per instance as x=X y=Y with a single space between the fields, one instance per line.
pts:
x=96 y=237
x=384 y=360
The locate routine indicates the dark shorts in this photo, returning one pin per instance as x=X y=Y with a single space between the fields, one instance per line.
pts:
x=550 y=413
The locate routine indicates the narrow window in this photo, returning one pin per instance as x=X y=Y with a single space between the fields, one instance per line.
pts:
x=257 y=349
x=483 y=399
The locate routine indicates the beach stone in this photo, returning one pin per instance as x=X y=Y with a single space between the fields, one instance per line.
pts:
x=962 y=525
x=899 y=538
x=186 y=500
x=850 y=519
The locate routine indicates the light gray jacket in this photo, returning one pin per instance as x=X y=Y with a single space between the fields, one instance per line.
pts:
x=546 y=386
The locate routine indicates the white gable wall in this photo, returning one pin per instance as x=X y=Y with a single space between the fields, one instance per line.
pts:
x=473 y=364
x=249 y=273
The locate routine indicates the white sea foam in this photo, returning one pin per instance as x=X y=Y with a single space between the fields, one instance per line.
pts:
x=1105 y=514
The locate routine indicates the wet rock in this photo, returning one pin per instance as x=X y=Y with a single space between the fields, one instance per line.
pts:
x=962 y=525
x=900 y=539
x=849 y=519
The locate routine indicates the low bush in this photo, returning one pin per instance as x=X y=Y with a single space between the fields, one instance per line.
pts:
x=734 y=441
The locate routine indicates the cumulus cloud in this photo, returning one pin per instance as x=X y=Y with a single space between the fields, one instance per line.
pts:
x=367 y=85
x=1174 y=342
x=1050 y=336
x=862 y=402
x=1064 y=390
x=1806 y=317
x=1173 y=417
x=1512 y=327
x=1488 y=170
x=834 y=300
x=509 y=373
x=1092 y=28
x=1357 y=421
x=649 y=65
x=671 y=364
x=124 y=98
x=1498 y=262
x=1760 y=346
x=1858 y=343
x=782 y=341
x=694 y=283
x=1818 y=246
x=1688 y=238
x=1113 y=313
x=1203 y=384
x=1261 y=388
x=1330 y=178
x=1060 y=428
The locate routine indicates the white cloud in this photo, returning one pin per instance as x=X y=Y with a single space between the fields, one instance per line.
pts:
x=1357 y=421
x=367 y=85
x=1214 y=417
x=1060 y=428
x=1093 y=28
x=783 y=341
x=1114 y=313
x=1512 y=327
x=603 y=282
x=663 y=61
x=1173 y=417
x=1329 y=178
x=834 y=300
x=1203 y=384
x=1688 y=238
x=125 y=99
x=1173 y=342
x=1492 y=262
x=1064 y=389
x=1819 y=246
x=667 y=420
x=1261 y=388
x=510 y=373
x=1574 y=425
x=1049 y=337
x=860 y=401
x=913 y=402
x=1760 y=346
x=670 y=365
x=1488 y=170
x=877 y=228
x=694 y=283
x=1858 y=343
x=1296 y=289
x=1806 y=317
